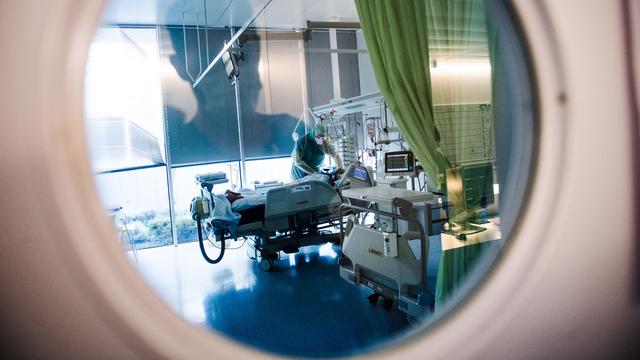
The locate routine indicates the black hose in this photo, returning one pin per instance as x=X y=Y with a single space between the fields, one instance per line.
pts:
x=202 y=249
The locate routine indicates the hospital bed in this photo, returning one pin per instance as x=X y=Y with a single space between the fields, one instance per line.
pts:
x=292 y=216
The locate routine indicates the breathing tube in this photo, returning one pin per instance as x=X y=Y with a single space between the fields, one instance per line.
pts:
x=202 y=249
x=201 y=209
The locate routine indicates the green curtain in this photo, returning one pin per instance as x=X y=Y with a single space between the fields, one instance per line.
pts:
x=396 y=33
x=457 y=35
x=457 y=264
x=404 y=38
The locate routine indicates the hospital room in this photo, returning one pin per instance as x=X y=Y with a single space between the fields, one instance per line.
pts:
x=310 y=178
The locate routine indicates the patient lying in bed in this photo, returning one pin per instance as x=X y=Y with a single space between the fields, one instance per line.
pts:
x=234 y=209
x=246 y=198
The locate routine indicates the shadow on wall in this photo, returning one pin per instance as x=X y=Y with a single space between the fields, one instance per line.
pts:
x=202 y=125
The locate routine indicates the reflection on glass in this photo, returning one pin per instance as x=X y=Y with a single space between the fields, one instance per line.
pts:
x=268 y=171
x=125 y=134
x=123 y=103
x=140 y=199
x=447 y=86
x=185 y=188
x=439 y=87
x=201 y=122
x=271 y=92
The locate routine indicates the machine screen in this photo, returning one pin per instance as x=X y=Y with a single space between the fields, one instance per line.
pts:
x=230 y=67
x=360 y=174
x=399 y=162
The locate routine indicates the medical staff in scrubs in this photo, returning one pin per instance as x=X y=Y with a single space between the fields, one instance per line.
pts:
x=309 y=151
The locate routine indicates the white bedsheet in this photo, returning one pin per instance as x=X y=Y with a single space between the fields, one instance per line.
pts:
x=223 y=216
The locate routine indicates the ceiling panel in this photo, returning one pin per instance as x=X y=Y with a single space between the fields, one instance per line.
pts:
x=284 y=14
x=296 y=13
x=334 y=10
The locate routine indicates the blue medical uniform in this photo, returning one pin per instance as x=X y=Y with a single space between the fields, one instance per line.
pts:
x=310 y=153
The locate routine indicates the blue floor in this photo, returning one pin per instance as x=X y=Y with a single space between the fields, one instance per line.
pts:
x=300 y=308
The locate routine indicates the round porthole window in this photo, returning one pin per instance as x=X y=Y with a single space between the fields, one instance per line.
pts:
x=311 y=180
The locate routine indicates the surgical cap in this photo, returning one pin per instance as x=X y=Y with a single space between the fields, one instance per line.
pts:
x=319 y=130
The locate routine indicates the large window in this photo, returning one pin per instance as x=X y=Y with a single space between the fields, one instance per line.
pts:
x=185 y=188
x=123 y=109
x=139 y=95
x=271 y=92
x=139 y=201
x=123 y=103
x=201 y=122
x=264 y=171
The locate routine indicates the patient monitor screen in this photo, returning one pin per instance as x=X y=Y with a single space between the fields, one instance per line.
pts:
x=360 y=173
x=230 y=67
x=399 y=162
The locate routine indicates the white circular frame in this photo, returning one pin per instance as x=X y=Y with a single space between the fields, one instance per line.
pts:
x=64 y=185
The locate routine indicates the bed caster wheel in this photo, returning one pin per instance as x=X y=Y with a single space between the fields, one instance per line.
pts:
x=373 y=299
x=266 y=264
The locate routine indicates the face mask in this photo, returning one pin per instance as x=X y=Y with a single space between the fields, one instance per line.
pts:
x=318 y=141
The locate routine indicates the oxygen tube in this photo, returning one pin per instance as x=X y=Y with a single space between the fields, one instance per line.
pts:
x=200 y=209
x=202 y=249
